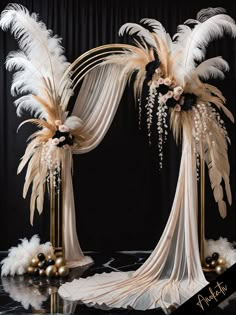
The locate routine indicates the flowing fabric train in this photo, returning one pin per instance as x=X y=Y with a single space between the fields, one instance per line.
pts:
x=172 y=273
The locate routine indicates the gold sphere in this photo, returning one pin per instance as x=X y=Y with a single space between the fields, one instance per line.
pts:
x=63 y=271
x=213 y=264
x=51 y=271
x=42 y=272
x=30 y=270
x=40 y=264
x=51 y=256
x=60 y=261
x=221 y=261
x=219 y=269
x=34 y=262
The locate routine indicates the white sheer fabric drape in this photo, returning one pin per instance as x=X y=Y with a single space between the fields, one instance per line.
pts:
x=172 y=273
x=96 y=106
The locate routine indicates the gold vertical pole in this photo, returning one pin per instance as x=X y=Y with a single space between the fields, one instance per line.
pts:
x=202 y=211
x=57 y=216
x=202 y=215
x=52 y=212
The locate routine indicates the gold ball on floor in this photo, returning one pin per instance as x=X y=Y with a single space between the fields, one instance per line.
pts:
x=40 y=264
x=51 y=256
x=213 y=264
x=34 y=262
x=51 y=271
x=30 y=270
x=219 y=269
x=207 y=266
x=63 y=271
x=60 y=261
x=42 y=272
x=221 y=261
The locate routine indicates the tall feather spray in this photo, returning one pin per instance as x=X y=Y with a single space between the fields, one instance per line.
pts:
x=43 y=87
x=192 y=103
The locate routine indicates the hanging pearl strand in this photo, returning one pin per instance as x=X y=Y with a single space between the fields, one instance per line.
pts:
x=149 y=107
x=161 y=129
x=198 y=130
x=139 y=113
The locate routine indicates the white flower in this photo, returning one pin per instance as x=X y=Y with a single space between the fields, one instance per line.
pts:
x=177 y=108
x=55 y=141
x=173 y=83
x=61 y=139
x=164 y=98
x=176 y=97
x=178 y=90
x=66 y=146
x=58 y=122
x=161 y=81
x=63 y=128
x=158 y=71
x=169 y=94
x=167 y=81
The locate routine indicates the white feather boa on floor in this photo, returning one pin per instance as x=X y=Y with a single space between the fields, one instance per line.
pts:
x=223 y=247
x=19 y=257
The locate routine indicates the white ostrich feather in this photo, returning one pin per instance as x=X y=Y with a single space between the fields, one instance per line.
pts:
x=206 y=13
x=190 y=44
x=223 y=247
x=73 y=122
x=132 y=28
x=19 y=257
x=41 y=56
x=159 y=30
x=212 y=68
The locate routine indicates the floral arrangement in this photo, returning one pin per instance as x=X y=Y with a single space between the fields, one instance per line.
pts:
x=170 y=85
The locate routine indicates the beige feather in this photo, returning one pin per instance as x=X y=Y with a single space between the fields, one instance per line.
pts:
x=218 y=193
x=222 y=209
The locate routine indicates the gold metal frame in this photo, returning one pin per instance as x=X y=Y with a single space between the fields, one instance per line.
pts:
x=78 y=70
x=202 y=216
x=57 y=218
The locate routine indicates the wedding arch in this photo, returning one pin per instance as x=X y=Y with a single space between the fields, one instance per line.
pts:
x=170 y=77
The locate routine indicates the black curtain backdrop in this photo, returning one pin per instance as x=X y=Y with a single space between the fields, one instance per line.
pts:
x=122 y=200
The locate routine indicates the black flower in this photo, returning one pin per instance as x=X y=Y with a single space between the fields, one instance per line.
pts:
x=151 y=67
x=163 y=89
x=189 y=101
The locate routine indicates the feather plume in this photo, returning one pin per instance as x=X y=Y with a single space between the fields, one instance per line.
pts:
x=133 y=28
x=159 y=30
x=222 y=246
x=192 y=43
x=43 y=86
x=19 y=257
x=206 y=13
x=41 y=53
x=212 y=68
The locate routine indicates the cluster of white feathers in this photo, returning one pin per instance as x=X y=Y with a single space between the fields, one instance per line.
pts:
x=223 y=247
x=19 y=257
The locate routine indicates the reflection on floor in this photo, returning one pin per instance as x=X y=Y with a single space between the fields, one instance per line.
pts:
x=34 y=295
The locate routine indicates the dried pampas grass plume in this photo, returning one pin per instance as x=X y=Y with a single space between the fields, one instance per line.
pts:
x=19 y=257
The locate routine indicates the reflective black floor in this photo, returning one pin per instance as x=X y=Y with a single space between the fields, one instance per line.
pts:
x=34 y=295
